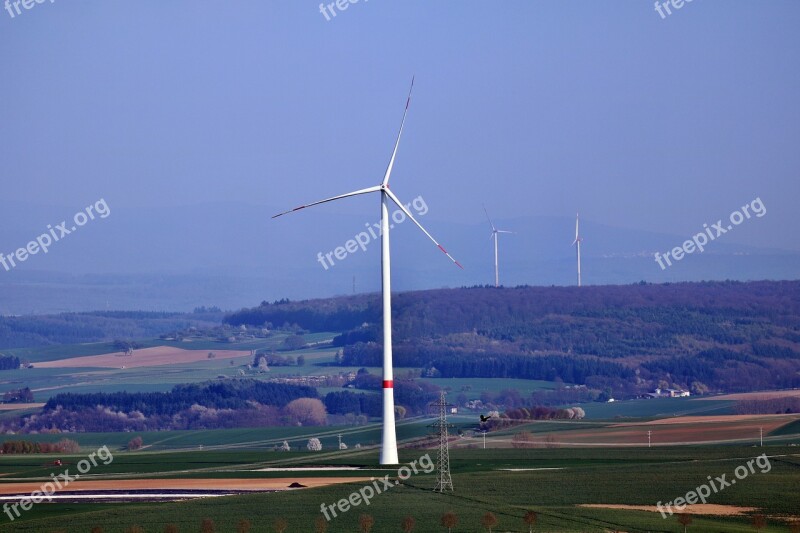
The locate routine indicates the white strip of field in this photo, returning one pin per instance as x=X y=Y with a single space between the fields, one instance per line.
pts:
x=526 y=469
x=125 y=497
x=309 y=469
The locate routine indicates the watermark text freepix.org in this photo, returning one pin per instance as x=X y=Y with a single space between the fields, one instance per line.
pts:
x=341 y=5
x=54 y=234
x=662 y=6
x=719 y=483
x=699 y=241
x=362 y=239
x=367 y=492
x=12 y=6
x=59 y=482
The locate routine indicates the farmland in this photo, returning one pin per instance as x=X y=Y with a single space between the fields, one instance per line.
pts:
x=594 y=473
x=555 y=483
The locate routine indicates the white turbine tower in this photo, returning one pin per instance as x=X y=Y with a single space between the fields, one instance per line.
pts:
x=495 y=232
x=389 y=438
x=577 y=243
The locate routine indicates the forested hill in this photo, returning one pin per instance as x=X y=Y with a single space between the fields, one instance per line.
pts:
x=444 y=311
x=70 y=328
x=723 y=335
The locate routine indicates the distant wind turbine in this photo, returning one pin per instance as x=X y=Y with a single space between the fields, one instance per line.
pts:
x=389 y=438
x=495 y=231
x=577 y=243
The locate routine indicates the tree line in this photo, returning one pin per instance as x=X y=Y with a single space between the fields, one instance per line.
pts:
x=9 y=362
x=231 y=394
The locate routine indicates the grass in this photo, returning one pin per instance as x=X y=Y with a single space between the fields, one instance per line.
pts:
x=657 y=408
x=633 y=476
x=473 y=387
x=789 y=429
x=46 y=382
x=262 y=439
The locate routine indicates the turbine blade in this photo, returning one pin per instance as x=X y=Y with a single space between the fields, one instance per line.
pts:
x=576 y=228
x=504 y=231
x=414 y=220
x=399 y=134
x=489 y=219
x=354 y=193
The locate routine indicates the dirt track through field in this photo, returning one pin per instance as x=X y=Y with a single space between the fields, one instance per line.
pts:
x=768 y=395
x=683 y=430
x=183 y=484
x=15 y=406
x=700 y=508
x=669 y=431
x=157 y=356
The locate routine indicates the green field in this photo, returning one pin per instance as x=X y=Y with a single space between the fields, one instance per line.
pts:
x=637 y=476
x=562 y=479
x=472 y=387
x=657 y=408
x=46 y=382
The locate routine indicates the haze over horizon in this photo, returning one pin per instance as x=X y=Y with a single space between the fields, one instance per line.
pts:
x=196 y=124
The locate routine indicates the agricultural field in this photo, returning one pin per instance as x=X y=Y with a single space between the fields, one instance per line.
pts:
x=595 y=474
x=157 y=366
x=160 y=364
x=558 y=484
x=472 y=387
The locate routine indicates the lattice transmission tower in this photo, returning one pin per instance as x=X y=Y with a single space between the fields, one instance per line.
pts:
x=443 y=479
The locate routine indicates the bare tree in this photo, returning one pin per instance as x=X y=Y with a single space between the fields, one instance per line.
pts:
x=243 y=526
x=320 y=525
x=97 y=529
x=170 y=528
x=685 y=519
x=522 y=439
x=280 y=525
x=408 y=524
x=365 y=522
x=208 y=526
x=759 y=522
x=530 y=519
x=489 y=520
x=449 y=520
x=794 y=526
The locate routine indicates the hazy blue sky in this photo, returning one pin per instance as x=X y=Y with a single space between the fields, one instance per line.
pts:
x=533 y=107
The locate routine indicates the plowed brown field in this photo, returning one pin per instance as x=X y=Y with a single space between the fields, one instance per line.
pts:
x=157 y=356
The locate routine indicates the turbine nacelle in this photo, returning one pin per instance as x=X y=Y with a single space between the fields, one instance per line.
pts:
x=578 y=238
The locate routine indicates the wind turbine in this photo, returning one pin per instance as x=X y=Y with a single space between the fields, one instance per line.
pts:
x=495 y=232
x=577 y=243
x=389 y=438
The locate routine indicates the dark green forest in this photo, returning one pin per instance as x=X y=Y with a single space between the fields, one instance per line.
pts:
x=709 y=336
x=209 y=405
x=71 y=328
